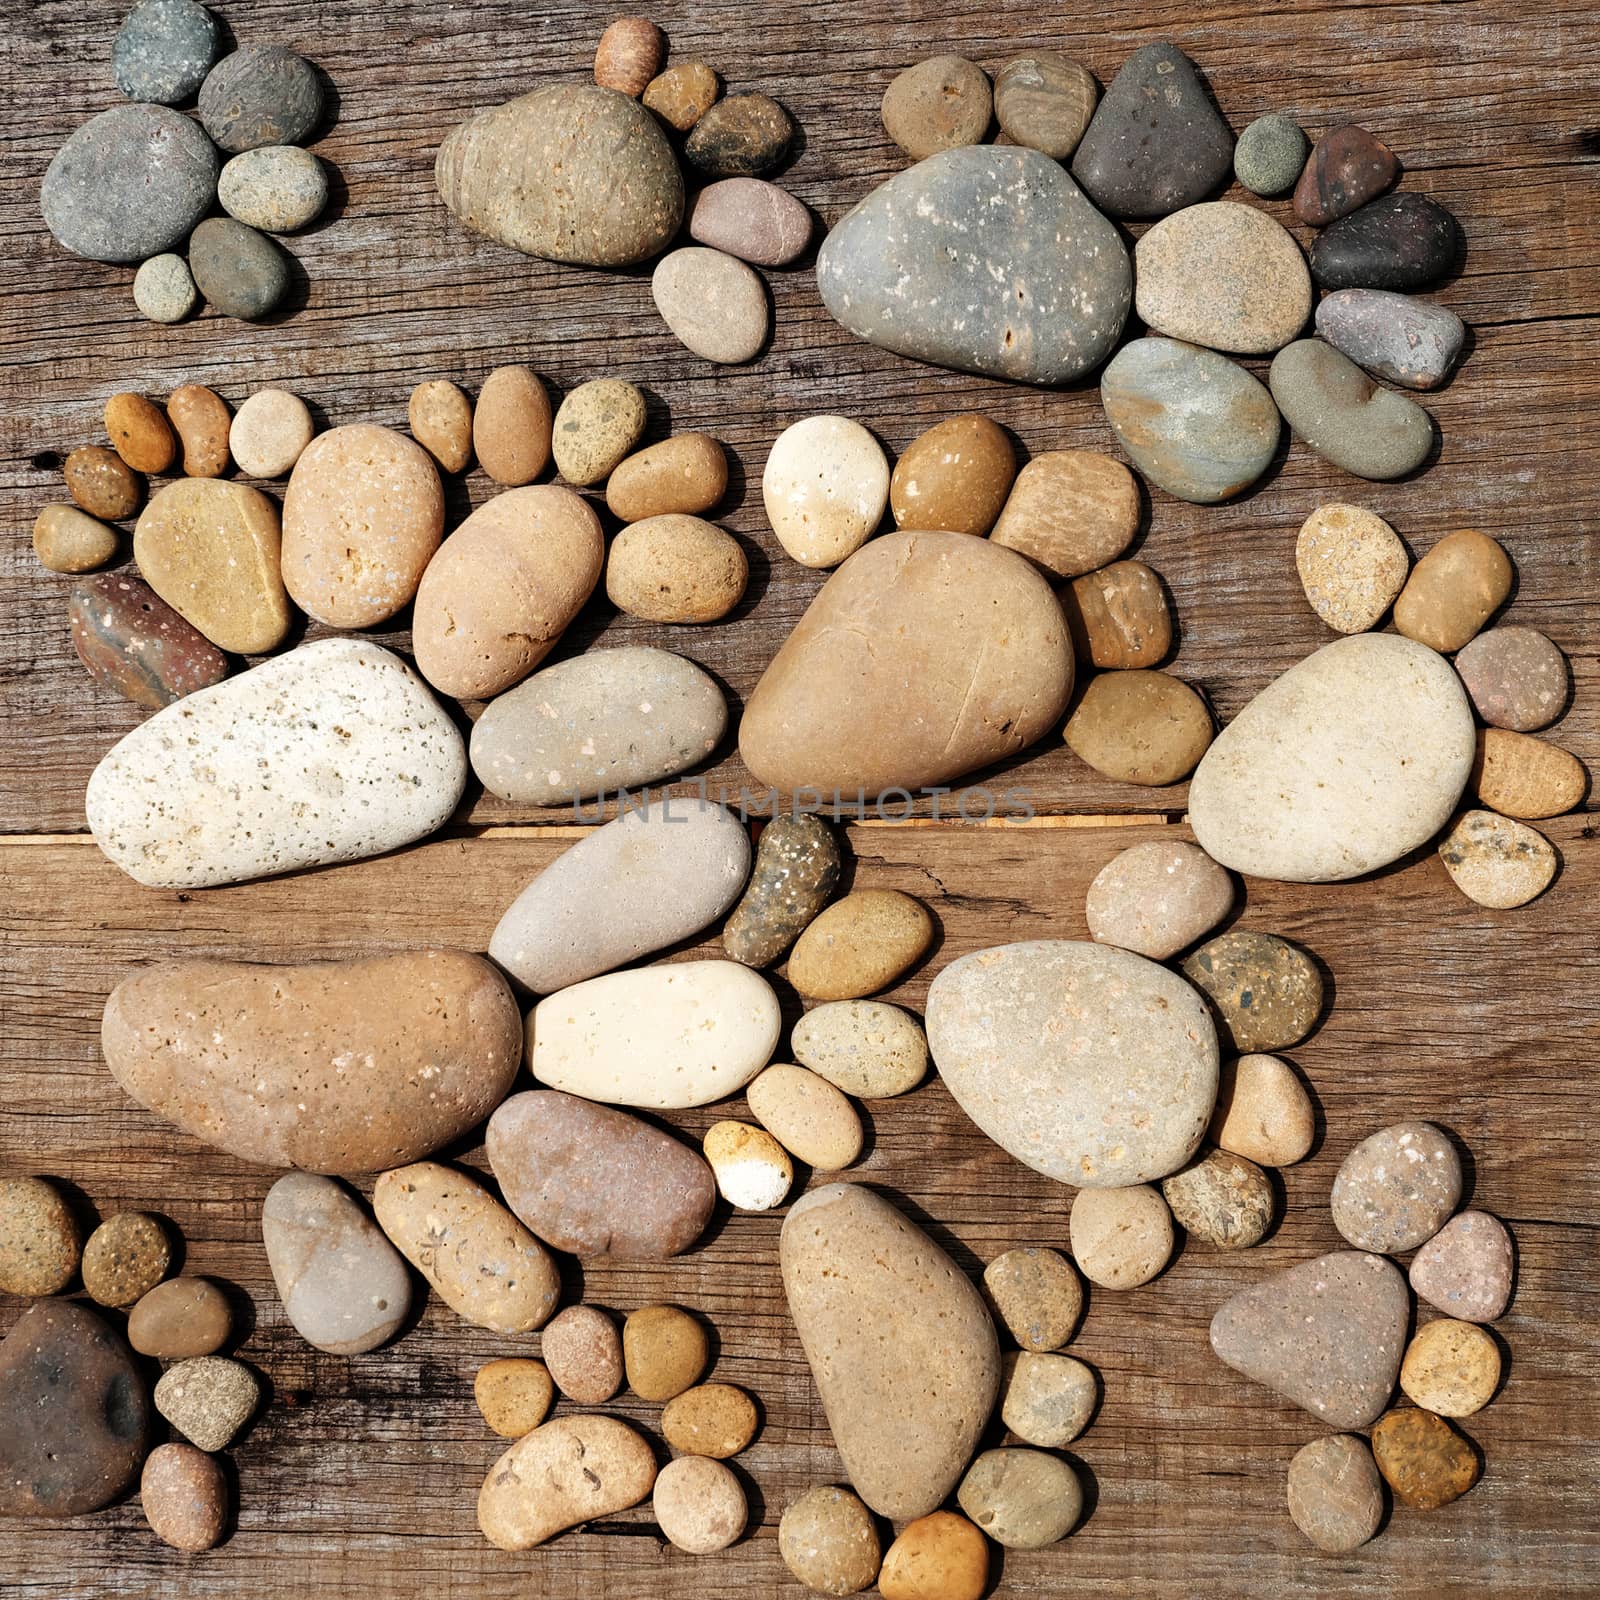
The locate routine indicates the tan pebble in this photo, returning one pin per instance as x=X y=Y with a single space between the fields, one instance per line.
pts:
x=269 y=433
x=583 y=1350
x=1521 y=776
x=1423 y=1459
x=683 y=475
x=208 y=1399
x=829 y=1542
x=864 y=1047
x=1045 y=101
x=184 y=1495
x=937 y=1557
x=1037 y=1296
x=39 y=1238
x=125 y=1258
x=596 y=426
x=1222 y=1199
x=825 y=485
x=714 y=303
x=712 y=1419
x=1141 y=727
x=511 y=426
x=66 y=539
x=102 y=483
x=1121 y=1238
x=1157 y=898
x=140 y=433
x=1450 y=1367
x=676 y=568
x=514 y=1394
x=664 y=1351
x=440 y=418
x=1351 y=564
x=202 y=421
x=1047 y=1399
x=180 y=1318
x=699 y=1504
x=1497 y=862
x=955 y=477
x=628 y=56
x=752 y=1169
x=1263 y=1111
x=682 y=94
x=1071 y=511
x=806 y=1115
x=1335 y=1493
x=1453 y=590
x=936 y=105
x=1119 y=616
x=860 y=944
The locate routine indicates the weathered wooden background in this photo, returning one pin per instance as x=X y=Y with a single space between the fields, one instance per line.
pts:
x=360 y=1478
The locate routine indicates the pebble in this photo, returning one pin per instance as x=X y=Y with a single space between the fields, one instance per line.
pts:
x=66 y=539
x=238 y=270
x=1022 y=1499
x=826 y=712
x=211 y=549
x=1516 y=678
x=1423 y=1459
x=1044 y=101
x=201 y=419
x=1403 y=241
x=683 y=476
x=753 y=1171
x=125 y=1258
x=512 y=426
x=496 y=597
x=1327 y=1334
x=751 y=219
x=1521 y=776
x=278 y=188
x=102 y=483
x=863 y=1047
x=475 y=1255
x=583 y=1351
x=682 y=94
x=863 y=943
x=129 y=184
x=1333 y=406
x=668 y=1037
x=1453 y=590
x=1451 y=1368
x=1121 y=1097
x=262 y=94
x=1352 y=565
x=664 y=1350
x=825 y=486
x=1466 y=1268
x=180 y=1318
x=715 y=305
x=1121 y=1238
x=607 y=720
x=1157 y=898
x=1265 y=993
x=676 y=568
x=163 y=289
x=269 y=433
x=1347 y=168
x=712 y=1419
x=184 y=1493
x=1119 y=616
x=1047 y=1399
x=1271 y=154
x=572 y=172
x=283 y=719
x=593 y=1181
x=1035 y=292
x=1497 y=862
x=1335 y=1493
x=796 y=872
x=440 y=418
x=1193 y=422
x=629 y=56
x=936 y=1557
x=208 y=1399
x=740 y=137
x=1157 y=143
x=1036 y=1295
x=1071 y=511
x=1397 y=1188
x=1294 y=788
x=904 y=1354
x=140 y=433
x=40 y=1242
x=514 y=1394
x=956 y=476
x=829 y=1542
x=1140 y=726
x=597 y=426
x=1398 y=337
x=162 y=53
x=937 y=104
x=237 y=1054
x=1263 y=1112
x=343 y=1286
x=1222 y=1199
x=699 y=1505
x=570 y=1471
x=1223 y=275
x=807 y=1115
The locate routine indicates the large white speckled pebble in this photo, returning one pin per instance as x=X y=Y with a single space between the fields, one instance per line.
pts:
x=333 y=752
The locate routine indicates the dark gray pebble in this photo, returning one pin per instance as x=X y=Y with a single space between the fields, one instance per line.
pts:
x=262 y=94
x=1403 y=241
x=164 y=50
x=239 y=271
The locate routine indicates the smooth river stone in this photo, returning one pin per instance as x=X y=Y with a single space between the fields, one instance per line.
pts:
x=1121 y=1238
x=1451 y=1368
x=1090 y=1064
x=1071 y=511
x=1344 y=416
x=332 y=1066
x=829 y=1541
x=594 y=1181
x=1497 y=862
x=1397 y=1188
x=1036 y=1294
x=1327 y=1334
x=715 y=305
x=239 y=272
x=1044 y=101
x=1466 y=1269
x=1023 y=1499
x=262 y=94
x=955 y=476
x=937 y=104
x=1296 y=788
x=333 y=752
x=1522 y=776
x=1047 y=1399
x=1119 y=616
x=1348 y=168
x=1403 y=241
x=645 y=880
x=133 y=642
x=667 y=1037
x=1398 y=337
x=1453 y=590
x=40 y=1240
x=277 y=188
x=1270 y=154
x=342 y=1284
x=903 y=1352
x=183 y=1493
x=896 y=677
x=1516 y=677
x=66 y=539
x=1264 y=1112
x=796 y=872
x=1157 y=898
x=1141 y=727
x=937 y=1557
x=1221 y=1198
x=1335 y=1493
x=514 y=1393
x=164 y=49
x=753 y=1171
x=987 y=259
x=1194 y=423
x=751 y=219
x=740 y=137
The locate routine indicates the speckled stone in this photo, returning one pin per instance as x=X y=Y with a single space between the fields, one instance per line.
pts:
x=40 y=1241
x=956 y=476
x=1466 y=1268
x=715 y=305
x=596 y=426
x=1044 y=101
x=208 y=1399
x=1519 y=775
x=682 y=94
x=860 y=944
x=829 y=1542
x=440 y=418
x=1271 y=154
x=1497 y=862
x=1352 y=565
x=1397 y=1188
x=740 y=137
x=513 y=1394
x=262 y=94
x=1396 y=336
x=583 y=1351
x=163 y=289
x=1333 y=406
x=1036 y=1295
x=1423 y=1459
x=938 y=104
x=1516 y=678
x=665 y=1351
x=135 y=644
x=1221 y=1198
x=751 y=219
x=1451 y=1368
x=1047 y=1399
x=1403 y=241
x=1327 y=1334
x=278 y=188
x=1022 y=1499
x=1119 y=617
x=184 y=1495
x=201 y=419
x=180 y=1318
x=1348 y=168
x=1141 y=726
x=164 y=49
x=864 y=1047
x=628 y=55
x=102 y=483
x=66 y=539
x=1266 y=993
x=1070 y=511
x=676 y=569
x=124 y=1258
x=796 y=871
x=824 y=487
x=1157 y=898
x=239 y=271
x=1263 y=1112
x=699 y=1504
x=1335 y=1493
x=711 y=1419
x=1121 y=1238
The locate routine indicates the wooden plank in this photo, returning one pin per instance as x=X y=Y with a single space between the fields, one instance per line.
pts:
x=360 y=1476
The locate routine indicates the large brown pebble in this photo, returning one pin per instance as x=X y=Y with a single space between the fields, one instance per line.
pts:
x=1141 y=727
x=511 y=426
x=125 y=1258
x=1263 y=1112
x=1119 y=617
x=936 y=105
x=796 y=871
x=1423 y=1459
x=628 y=56
x=1222 y=1199
x=134 y=643
x=1453 y=590
x=513 y=1395
x=1036 y=1294
x=740 y=137
x=362 y=516
x=180 y=1318
x=583 y=1351
x=699 y=1504
x=1397 y=1188
x=860 y=944
x=39 y=1238
x=1157 y=898
x=1497 y=862
x=937 y=1557
x=140 y=432
x=1521 y=776
x=1121 y=1238
x=1265 y=993
x=682 y=94
x=956 y=476
x=683 y=475
x=712 y=1419
x=440 y=418
x=1516 y=678
x=829 y=1542
x=1451 y=1368
x=102 y=483
x=202 y=421
x=1044 y=101
x=66 y=539
x=664 y=1351
x=1072 y=511
x=676 y=568
x=596 y=426
x=751 y=219
x=1466 y=1268
x=1335 y=1493
x=184 y=1495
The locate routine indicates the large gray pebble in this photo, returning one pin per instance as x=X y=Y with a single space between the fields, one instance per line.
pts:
x=241 y=272
x=1344 y=416
x=261 y=94
x=164 y=50
x=277 y=188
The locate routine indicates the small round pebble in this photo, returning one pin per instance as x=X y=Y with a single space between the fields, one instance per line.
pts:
x=676 y=568
x=1516 y=678
x=269 y=432
x=712 y=1419
x=1397 y=1188
x=180 y=1318
x=752 y=219
x=184 y=1493
x=1121 y=1238
x=682 y=94
x=936 y=105
x=263 y=94
x=1423 y=1459
x=629 y=56
x=208 y=1399
x=1453 y=590
x=1263 y=1112
x=714 y=303
x=1037 y=1296
x=860 y=944
x=1466 y=1268
x=1141 y=726
x=1047 y=1399
x=140 y=433
x=597 y=426
x=39 y=1239
x=239 y=271
x=511 y=426
x=1119 y=616
x=664 y=1351
x=514 y=1394
x=1271 y=154
x=1222 y=1199
x=1023 y=1499
x=201 y=419
x=824 y=486
x=1351 y=564
x=683 y=475
x=1266 y=993
x=795 y=874
x=829 y=1542
x=163 y=51
x=66 y=539
x=937 y=1557
x=1451 y=1367
x=102 y=483
x=1335 y=1493
x=583 y=1351
x=1158 y=898
x=277 y=188
x=699 y=1504
x=810 y=1118
x=864 y=1047
x=125 y=1258
x=753 y=1171
x=440 y=418
x=163 y=289
x=1497 y=862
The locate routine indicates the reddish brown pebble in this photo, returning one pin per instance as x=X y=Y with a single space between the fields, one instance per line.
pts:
x=1348 y=168
x=955 y=477
x=937 y=1557
x=511 y=427
x=583 y=1351
x=1466 y=1268
x=1516 y=678
x=682 y=94
x=180 y=1318
x=139 y=433
x=184 y=1493
x=628 y=56
x=1119 y=617
x=202 y=421
x=102 y=483
x=682 y=476
x=1423 y=1459
x=1520 y=776
x=135 y=644
x=1335 y=1494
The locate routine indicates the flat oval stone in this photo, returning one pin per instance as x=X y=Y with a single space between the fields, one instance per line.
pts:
x=1122 y=1095
x=1347 y=169
x=512 y=426
x=1193 y=422
x=1351 y=565
x=1271 y=154
x=135 y=644
x=1221 y=1198
x=40 y=1241
x=1121 y=1238
x=514 y=1394
x=597 y=425
x=1347 y=419
x=714 y=304
x=751 y=219
x=938 y=104
x=667 y=1037
x=807 y=1115
x=1141 y=727
x=102 y=483
x=1327 y=1334
x=180 y=1318
x=753 y=1171
x=1071 y=511
x=583 y=1351
x=262 y=94
x=255 y=1058
x=1036 y=289
x=1044 y=101
x=676 y=568
x=202 y=421
x=1465 y=1270
x=1022 y=1499
x=1398 y=337
x=1423 y=1459
x=342 y=1284
x=682 y=94
x=139 y=432
x=865 y=942
x=955 y=476
x=163 y=51
x=1497 y=862
x=699 y=1504
x=1036 y=1295
x=1521 y=776
x=740 y=137
x=278 y=188
x=600 y=722
x=1223 y=275
x=796 y=872
x=937 y=1557
x=1263 y=1112
x=208 y=1399
x=1335 y=1493
x=1453 y=590
x=864 y=1047
x=1295 y=788
x=1157 y=898
x=1266 y=993
x=596 y=1182
x=1516 y=678
x=184 y=1495
x=1403 y=241
x=829 y=1541
x=237 y=270
x=440 y=418
x=1397 y=1188
x=665 y=1351
x=903 y=1352
x=824 y=488
x=1451 y=1368
x=1047 y=1399
x=1119 y=616
x=360 y=759
x=683 y=476
x=712 y=1419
